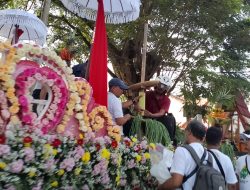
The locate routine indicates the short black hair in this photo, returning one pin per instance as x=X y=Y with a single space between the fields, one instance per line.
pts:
x=213 y=135
x=197 y=129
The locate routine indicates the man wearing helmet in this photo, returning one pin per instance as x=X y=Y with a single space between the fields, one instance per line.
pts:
x=157 y=105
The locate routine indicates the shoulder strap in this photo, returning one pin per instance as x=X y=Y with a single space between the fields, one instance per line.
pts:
x=218 y=163
x=193 y=154
x=247 y=165
x=190 y=150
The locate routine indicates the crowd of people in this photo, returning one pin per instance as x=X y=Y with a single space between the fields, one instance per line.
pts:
x=204 y=143
x=184 y=167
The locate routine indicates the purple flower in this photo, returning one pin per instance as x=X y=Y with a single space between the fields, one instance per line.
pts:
x=29 y=154
x=39 y=185
x=79 y=151
x=114 y=158
x=49 y=164
x=10 y=187
x=97 y=169
x=144 y=144
x=37 y=188
x=123 y=182
x=16 y=166
x=107 y=139
x=85 y=187
x=68 y=164
x=131 y=164
x=4 y=149
x=105 y=179
x=68 y=188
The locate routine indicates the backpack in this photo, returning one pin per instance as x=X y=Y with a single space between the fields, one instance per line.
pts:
x=207 y=177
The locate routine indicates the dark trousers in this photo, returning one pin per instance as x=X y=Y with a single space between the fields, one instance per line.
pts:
x=170 y=124
x=167 y=120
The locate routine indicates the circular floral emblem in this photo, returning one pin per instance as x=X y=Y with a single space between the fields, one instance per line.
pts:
x=44 y=112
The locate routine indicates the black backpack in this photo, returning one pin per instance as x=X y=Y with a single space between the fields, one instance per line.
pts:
x=207 y=177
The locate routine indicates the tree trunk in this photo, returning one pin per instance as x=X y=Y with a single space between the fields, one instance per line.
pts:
x=45 y=12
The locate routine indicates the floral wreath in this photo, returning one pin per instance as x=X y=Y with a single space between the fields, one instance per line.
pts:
x=79 y=96
x=50 y=59
x=45 y=76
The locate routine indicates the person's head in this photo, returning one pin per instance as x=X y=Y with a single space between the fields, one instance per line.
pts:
x=247 y=136
x=164 y=84
x=117 y=87
x=195 y=132
x=214 y=136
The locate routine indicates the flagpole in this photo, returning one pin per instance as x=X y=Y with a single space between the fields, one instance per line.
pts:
x=143 y=67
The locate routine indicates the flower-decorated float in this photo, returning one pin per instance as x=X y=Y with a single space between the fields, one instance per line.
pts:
x=62 y=139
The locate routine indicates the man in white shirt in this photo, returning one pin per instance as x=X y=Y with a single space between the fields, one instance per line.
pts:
x=183 y=163
x=243 y=166
x=221 y=162
x=116 y=89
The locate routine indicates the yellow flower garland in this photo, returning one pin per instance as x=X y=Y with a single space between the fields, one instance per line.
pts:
x=7 y=82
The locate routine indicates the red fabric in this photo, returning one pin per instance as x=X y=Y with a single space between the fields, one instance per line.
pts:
x=18 y=33
x=154 y=105
x=98 y=59
x=242 y=110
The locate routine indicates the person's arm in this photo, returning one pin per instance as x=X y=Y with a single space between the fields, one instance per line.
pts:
x=231 y=186
x=177 y=170
x=127 y=104
x=154 y=115
x=122 y=120
x=130 y=102
x=172 y=183
x=237 y=184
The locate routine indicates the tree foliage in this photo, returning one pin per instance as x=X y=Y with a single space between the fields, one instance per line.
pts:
x=202 y=45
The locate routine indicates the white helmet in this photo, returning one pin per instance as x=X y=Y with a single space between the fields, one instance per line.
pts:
x=164 y=80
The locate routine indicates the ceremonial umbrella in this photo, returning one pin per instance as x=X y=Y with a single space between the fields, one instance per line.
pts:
x=18 y=25
x=111 y=11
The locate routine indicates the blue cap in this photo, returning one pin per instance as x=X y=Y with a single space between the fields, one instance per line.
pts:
x=118 y=82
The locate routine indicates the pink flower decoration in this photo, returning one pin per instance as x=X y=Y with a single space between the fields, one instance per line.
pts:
x=45 y=121
x=5 y=114
x=29 y=154
x=85 y=187
x=53 y=107
x=58 y=82
x=49 y=164
x=79 y=151
x=68 y=164
x=4 y=149
x=44 y=130
x=52 y=75
x=38 y=76
x=50 y=82
x=27 y=119
x=16 y=166
x=23 y=101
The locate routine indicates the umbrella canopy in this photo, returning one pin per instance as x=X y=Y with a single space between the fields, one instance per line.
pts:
x=31 y=27
x=115 y=11
x=109 y=11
